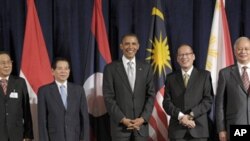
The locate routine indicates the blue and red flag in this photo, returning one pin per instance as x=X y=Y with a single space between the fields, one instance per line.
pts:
x=97 y=56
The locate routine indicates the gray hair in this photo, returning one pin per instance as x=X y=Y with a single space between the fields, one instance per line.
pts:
x=240 y=39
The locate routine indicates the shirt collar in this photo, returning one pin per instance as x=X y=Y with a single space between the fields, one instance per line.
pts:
x=188 y=72
x=59 y=84
x=242 y=65
x=126 y=60
x=7 y=78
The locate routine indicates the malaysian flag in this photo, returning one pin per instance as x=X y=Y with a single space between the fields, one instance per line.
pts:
x=159 y=57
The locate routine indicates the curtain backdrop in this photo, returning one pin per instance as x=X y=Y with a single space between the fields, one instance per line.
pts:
x=66 y=27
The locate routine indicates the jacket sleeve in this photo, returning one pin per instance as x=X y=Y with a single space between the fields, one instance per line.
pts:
x=219 y=103
x=109 y=96
x=84 y=117
x=42 y=116
x=150 y=95
x=28 y=127
x=207 y=98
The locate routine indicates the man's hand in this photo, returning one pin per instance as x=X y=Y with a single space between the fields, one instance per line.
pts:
x=127 y=122
x=137 y=123
x=187 y=122
x=223 y=136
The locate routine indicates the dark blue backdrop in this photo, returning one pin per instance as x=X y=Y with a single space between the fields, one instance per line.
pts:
x=66 y=27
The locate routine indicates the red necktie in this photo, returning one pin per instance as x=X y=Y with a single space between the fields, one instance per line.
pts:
x=245 y=78
x=4 y=85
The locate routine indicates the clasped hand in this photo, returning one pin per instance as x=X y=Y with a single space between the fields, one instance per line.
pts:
x=133 y=124
x=187 y=121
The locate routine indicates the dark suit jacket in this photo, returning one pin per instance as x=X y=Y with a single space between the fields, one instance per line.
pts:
x=56 y=123
x=122 y=102
x=232 y=101
x=197 y=97
x=15 y=116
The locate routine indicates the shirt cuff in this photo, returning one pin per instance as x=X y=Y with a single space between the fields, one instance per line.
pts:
x=180 y=115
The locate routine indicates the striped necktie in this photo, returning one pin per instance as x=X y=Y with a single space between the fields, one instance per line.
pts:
x=245 y=78
x=4 y=84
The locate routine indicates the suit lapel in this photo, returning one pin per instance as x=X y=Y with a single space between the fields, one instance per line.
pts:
x=56 y=95
x=139 y=73
x=236 y=74
x=179 y=79
x=70 y=96
x=10 y=86
x=121 y=71
x=192 y=78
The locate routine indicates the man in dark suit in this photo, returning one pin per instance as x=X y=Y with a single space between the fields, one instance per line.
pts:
x=128 y=91
x=232 y=97
x=15 y=116
x=188 y=98
x=62 y=107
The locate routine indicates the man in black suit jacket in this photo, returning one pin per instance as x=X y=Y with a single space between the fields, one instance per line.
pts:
x=188 y=98
x=62 y=108
x=129 y=104
x=15 y=116
x=232 y=98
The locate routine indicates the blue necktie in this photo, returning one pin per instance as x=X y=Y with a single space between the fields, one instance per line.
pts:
x=63 y=92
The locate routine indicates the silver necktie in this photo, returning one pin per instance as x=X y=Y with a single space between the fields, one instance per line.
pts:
x=131 y=75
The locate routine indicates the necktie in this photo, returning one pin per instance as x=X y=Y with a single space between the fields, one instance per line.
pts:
x=4 y=85
x=63 y=92
x=131 y=75
x=185 y=77
x=245 y=78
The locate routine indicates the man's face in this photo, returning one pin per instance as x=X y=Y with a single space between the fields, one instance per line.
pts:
x=5 y=65
x=129 y=46
x=242 y=51
x=61 y=72
x=185 y=57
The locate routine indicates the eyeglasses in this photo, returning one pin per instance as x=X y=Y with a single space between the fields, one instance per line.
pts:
x=243 y=49
x=3 y=63
x=184 y=54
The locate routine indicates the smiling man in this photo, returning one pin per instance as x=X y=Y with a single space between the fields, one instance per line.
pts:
x=232 y=96
x=15 y=115
x=187 y=99
x=62 y=107
x=128 y=91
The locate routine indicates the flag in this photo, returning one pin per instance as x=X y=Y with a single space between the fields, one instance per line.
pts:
x=220 y=53
x=97 y=56
x=159 y=57
x=35 y=65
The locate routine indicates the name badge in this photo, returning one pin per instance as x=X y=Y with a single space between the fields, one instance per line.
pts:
x=13 y=95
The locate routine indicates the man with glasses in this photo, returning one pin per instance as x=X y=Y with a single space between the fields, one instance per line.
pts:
x=15 y=115
x=232 y=96
x=188 y=98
